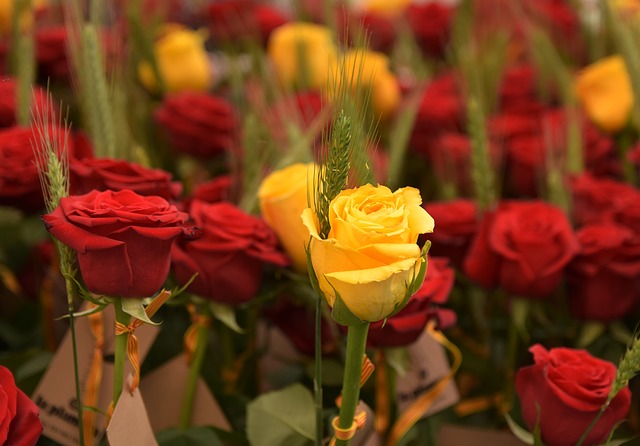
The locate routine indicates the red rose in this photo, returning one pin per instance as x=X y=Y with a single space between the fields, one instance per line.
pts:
x=8 y=103
x=302 y=109
x=51 y=53
x=215 y=190
x=106 y=173
x=19 y=422
x=525 y=246
x=378 y=29
x=405 y=327
x=568 y=387
x=518 y=87
x=456 y=224
x=605 y=274
x=123 y=239
x=236 y=20
x=198 y=124
x=431 y=25
x=628 y=211
x=230 y=254
x=598 y=199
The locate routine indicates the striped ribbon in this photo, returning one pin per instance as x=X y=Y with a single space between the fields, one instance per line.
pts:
x=191 y=335
x=420 y=406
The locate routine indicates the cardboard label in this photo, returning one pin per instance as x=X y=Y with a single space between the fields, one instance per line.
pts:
x=458 y=435
x=163 y=391
x=429 y=364
x=55 y=394
x=130 y=422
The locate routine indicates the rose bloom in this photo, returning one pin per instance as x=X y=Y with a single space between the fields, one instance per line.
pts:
x=198 y=124
x=105 y=173
x=283 y=196
x=8 y=102
x=230 y=255
x=604 y=276
x=314 y=43
x=408 y=324
x=371 y=254
x=599 y=199
x=182 y=61
x=604 y=89
x=565 y=389
x=19 y=422
x=231 y=21
x=123 y=239
x=370 y=69
x=522 y=246
x=51 y=53
x=457 y=225
x=378 y=28
x=431 y=24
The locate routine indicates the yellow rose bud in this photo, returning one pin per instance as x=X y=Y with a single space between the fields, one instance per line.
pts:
x=604 y=89
x=370 y=257
x=370 y=69
x=182 y=62
x=283 y=197
x=301 y=54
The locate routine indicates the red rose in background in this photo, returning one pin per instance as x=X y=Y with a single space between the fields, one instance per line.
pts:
x=456 y=224
x=598 y=199
x=524 y=247
x=215 y=190
x=431 y=26
x=234 y=20
x=8 y=103
x=123 y=239
x=230 y=254
x=628 y=211
x=19 y=422
x=568 y=387
x=302 y=109
x=198 y=124
x=605 y=274
x=378 y=29
x=106 y=173
x=518 y=87
x=405 y=327
x=51 y=53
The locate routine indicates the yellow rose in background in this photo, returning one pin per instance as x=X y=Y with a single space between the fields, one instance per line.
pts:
x=283 y=197
x=370 y=256
x=389 y=8
x=182 y=61
x=604 y=89
x=301 y=54
x=370 y=69
x=6 y=15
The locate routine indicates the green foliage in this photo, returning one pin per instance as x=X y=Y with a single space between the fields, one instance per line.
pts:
x=193 y=436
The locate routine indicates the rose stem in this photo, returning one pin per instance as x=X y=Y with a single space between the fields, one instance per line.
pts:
x=356 y=345
x=317 y=381
x=120 y=352
x=72 y=328
x=512 y=348
x=194 y=373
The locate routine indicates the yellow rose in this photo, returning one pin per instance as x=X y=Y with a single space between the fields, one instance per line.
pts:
x=604 y=89
x=370 y=69
x=283 y=197
x=389 y=8
x=182 y=61
x=26 y=20
x=301 y=54
x=370 y=257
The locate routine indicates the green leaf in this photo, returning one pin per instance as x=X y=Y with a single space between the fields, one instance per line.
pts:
x=523 y=435
x=227 y=315
x=589 y=332
x=135 y=308
x=285 y=417
x=399 y=359
x=332 y=371
x=194 y=436
x=88 y=312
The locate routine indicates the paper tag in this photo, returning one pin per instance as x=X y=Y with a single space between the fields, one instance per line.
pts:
x=163 y=391
x=130 y=422
x=366 y=436
x=56 y=395
x=457 y=435
x=280 y=363
x=429 y=364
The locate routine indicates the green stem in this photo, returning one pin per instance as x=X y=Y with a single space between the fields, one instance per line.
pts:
x=512 y=350
x=120 y=352
x=69 y=285
x=317 y=381
x=194 y=374
x=356 y=345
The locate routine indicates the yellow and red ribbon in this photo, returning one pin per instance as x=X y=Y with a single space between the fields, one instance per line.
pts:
x=190 y=339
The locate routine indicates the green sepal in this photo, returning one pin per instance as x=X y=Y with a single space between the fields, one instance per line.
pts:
x=341 y=313
x=135 y=308
x=312 y=272
x=225 y=314
x=520 y=432
x=416 y=281
x=88 y=312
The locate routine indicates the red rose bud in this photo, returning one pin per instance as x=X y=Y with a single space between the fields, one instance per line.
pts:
x=406 y=326
x=123 y=239
x=105 y=173
x=522 y=246
x=198 y=124
x=604 y=276
x=19 y=422
x=457 y=223
x=230 y=255
x=564 y=390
